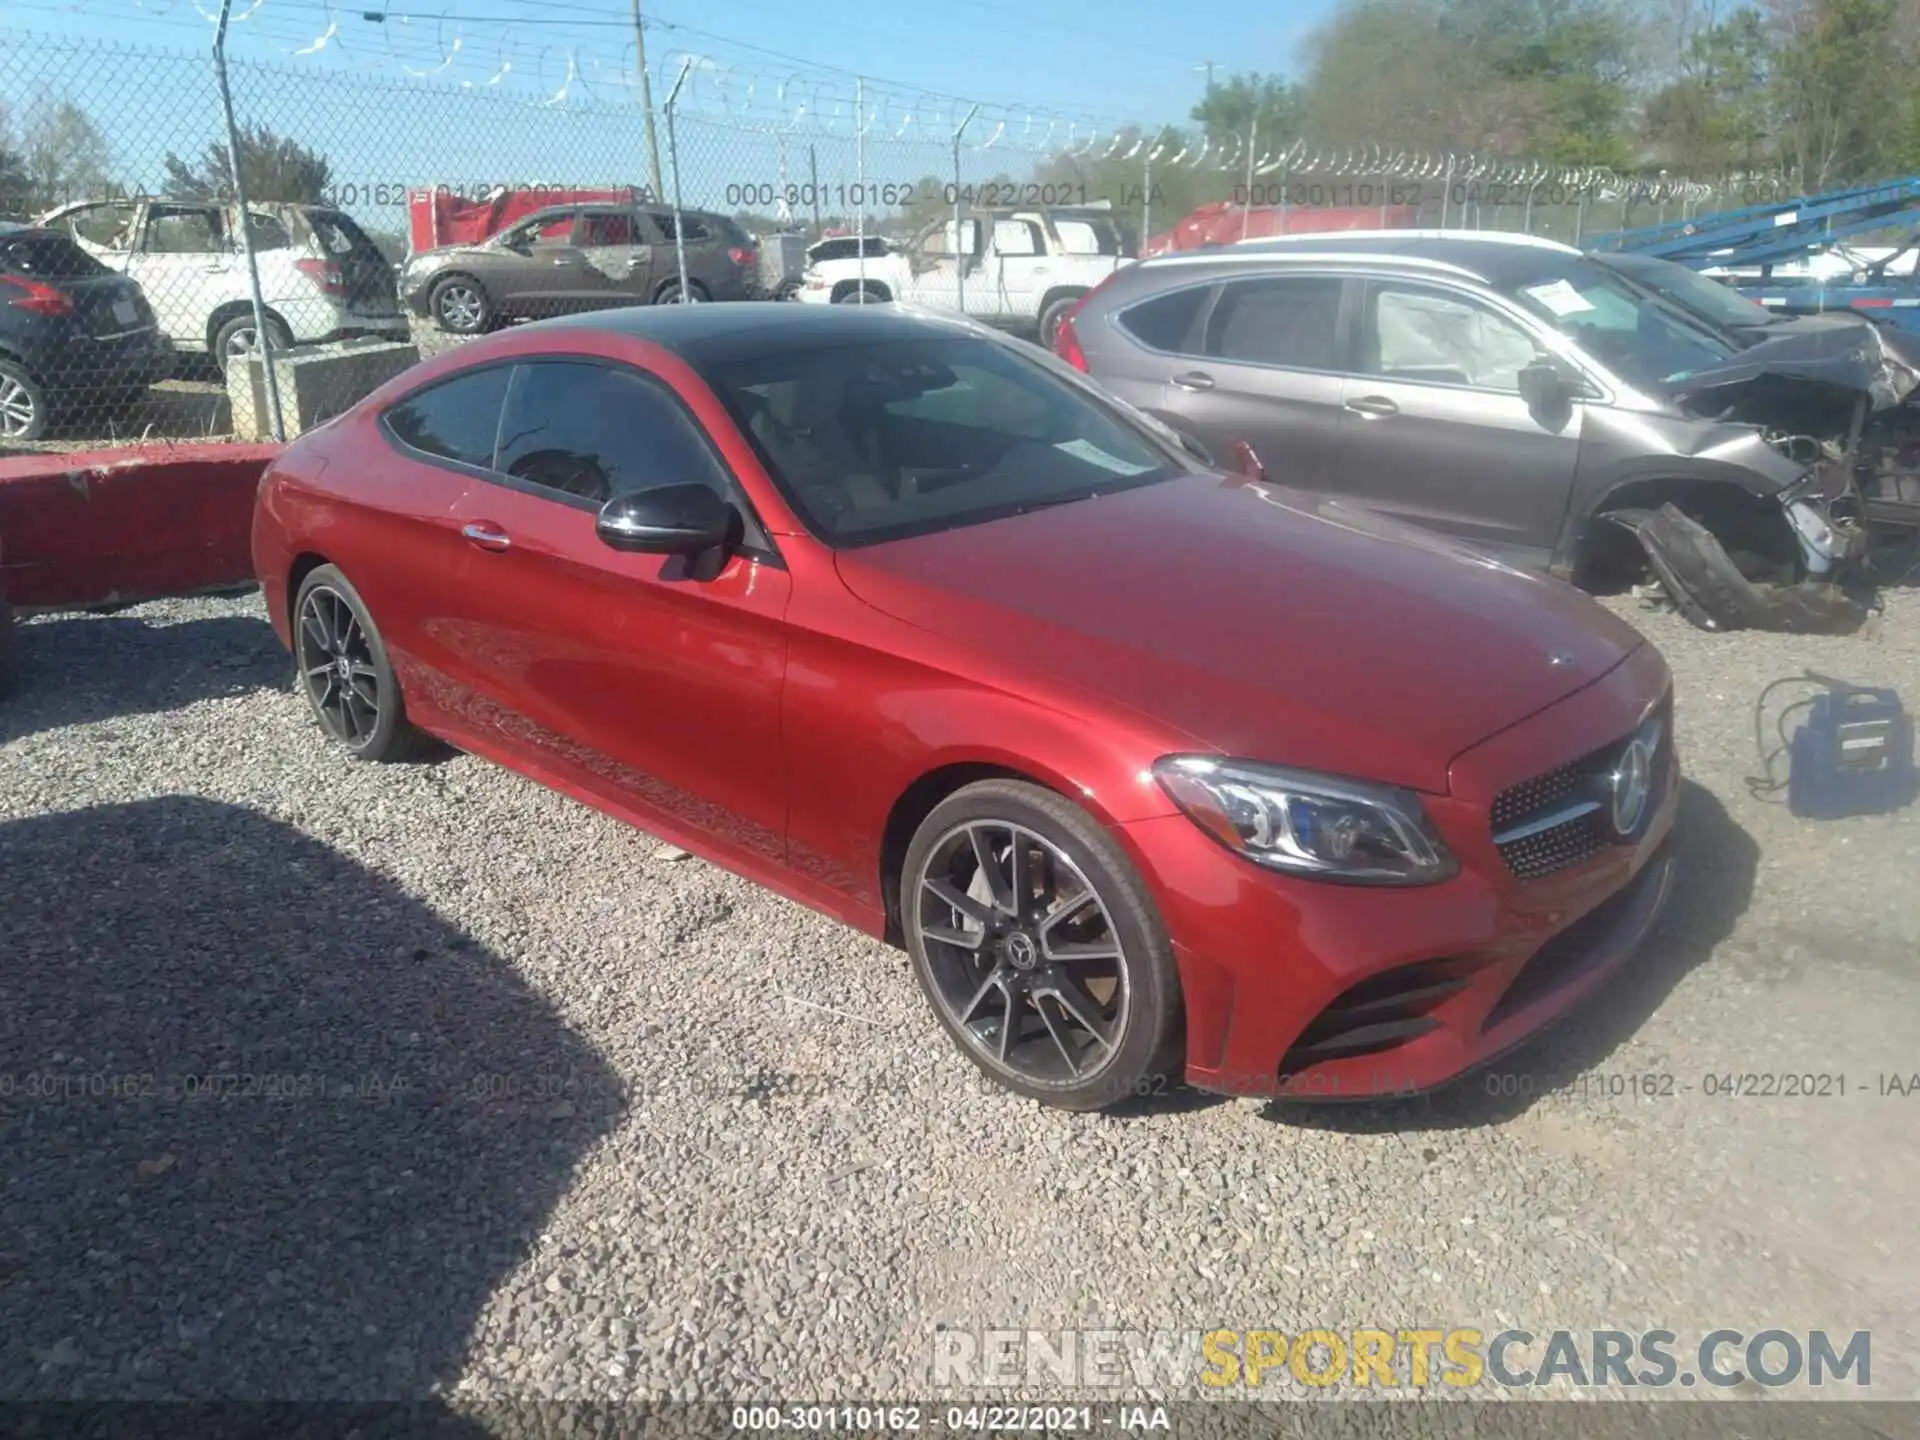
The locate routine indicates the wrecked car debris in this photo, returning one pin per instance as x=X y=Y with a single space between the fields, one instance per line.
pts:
x=1711 y=592
x=1832 y=396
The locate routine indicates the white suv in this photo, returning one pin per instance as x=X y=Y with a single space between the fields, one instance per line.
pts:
x=1023 y=269
x=321 y=277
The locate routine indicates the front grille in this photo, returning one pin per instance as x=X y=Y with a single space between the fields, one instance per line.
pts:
x=1542 y=850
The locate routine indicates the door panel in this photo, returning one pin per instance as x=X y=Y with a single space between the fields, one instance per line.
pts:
x=1265 y=374
x=186 y=267
x=616 y=263
x=642 y=682
x=646 y=685
x=438 y=439
x=541 y=278
x=933 y=269
x=1019 y=255
x=1434 y=430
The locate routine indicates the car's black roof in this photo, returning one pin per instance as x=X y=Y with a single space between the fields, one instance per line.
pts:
x=742 y=329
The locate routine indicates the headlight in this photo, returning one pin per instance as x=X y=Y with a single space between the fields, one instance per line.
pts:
x=1322 y=827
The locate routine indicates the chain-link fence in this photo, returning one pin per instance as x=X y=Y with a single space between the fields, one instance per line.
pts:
x=396 y=211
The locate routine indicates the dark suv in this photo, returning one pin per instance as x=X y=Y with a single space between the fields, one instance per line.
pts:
x=570 y=258
x=1512 y=392
x=73 y=334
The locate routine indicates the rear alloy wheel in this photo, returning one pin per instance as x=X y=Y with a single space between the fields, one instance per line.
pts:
x=1039 y=947
x=23 y=404
x=460 y=306
x=344 y=672
x=670 y=294
x=853 y=293
x=239 y=337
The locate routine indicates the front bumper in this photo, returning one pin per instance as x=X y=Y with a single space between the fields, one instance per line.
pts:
x=1302 y=989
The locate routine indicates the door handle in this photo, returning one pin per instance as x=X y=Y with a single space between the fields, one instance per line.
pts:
x=563 y=260
x=487 y=535
x=1194 y=380
x=1372 y=406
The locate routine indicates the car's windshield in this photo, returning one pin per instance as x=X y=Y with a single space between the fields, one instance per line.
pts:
x=1639 y=336
x=877 y=441
x=1692 y=290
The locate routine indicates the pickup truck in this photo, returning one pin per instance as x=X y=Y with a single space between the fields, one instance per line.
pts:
x=1023 y=269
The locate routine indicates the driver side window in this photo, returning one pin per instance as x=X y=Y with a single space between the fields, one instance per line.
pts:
x=1415 y=334
x=588 y=432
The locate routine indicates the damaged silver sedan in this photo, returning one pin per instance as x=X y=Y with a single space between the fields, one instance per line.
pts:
x=1591 y=416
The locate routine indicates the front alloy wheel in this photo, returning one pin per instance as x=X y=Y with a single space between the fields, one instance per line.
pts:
x=1038 y=947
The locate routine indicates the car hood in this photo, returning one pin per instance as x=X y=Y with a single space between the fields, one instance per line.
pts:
x=1840 y=355
x=1260 y=623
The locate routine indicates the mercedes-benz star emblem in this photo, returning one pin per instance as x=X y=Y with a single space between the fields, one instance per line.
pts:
x=1632 y=783
x=1021 y=951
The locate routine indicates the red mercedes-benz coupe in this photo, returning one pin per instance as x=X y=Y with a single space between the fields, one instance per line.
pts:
x=1152 y=771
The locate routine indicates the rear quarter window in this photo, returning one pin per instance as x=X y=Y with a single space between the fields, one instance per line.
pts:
x=456 y=419
x=1167 y=322
x=47 y=257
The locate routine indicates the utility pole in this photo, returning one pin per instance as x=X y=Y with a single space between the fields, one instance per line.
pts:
x=1207 y=65
x=646 y=105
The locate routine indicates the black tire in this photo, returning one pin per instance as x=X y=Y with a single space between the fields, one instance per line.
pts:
x=1096 y=904
x=24 y=409
x=235 y=338
x=876 y=294
x=789 y=289
x=460 y=305
x=1051 y=317
x=669 y=293
x=375 y=730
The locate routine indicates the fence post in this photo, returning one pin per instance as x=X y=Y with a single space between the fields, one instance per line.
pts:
x=1246 y=208
x=1446 y=191
x=959 y=259
x=673 y=160
x=860 y=182
x=813 y=185
x=262 y=339
x=1146 y=200
x=646 y=102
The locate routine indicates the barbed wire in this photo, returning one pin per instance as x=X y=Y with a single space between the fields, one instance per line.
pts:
x=427 y=52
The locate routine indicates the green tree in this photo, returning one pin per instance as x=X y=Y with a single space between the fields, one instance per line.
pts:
x=1843 y=74
x=16 y=187
x=275 y=169
x=1231 y=109
x=65 y=154
x=1717 y=115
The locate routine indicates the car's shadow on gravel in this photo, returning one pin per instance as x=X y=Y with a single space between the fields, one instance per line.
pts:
x=78 y=669
x=1714 y=884
x=269 y=1127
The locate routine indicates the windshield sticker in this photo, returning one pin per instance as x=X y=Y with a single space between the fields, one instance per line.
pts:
x=1561 y=298
x=1094 y=455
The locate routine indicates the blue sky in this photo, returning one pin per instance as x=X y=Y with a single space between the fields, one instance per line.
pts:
x=469 y=93
x=1125 y=58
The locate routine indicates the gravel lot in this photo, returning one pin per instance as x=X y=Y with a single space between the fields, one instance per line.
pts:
x=561 y=1115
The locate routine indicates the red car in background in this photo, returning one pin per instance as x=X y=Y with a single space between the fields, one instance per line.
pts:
x=1224 y=223
x=1152 y=771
